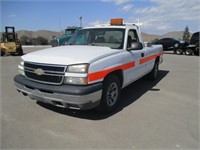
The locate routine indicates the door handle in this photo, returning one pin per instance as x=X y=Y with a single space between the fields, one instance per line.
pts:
x=142 y=54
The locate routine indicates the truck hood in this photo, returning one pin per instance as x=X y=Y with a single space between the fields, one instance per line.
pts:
x=65 y=55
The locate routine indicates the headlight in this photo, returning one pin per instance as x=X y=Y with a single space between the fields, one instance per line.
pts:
x=21 y=68
x=82 y=68
x=77 y=74
x=76 y=80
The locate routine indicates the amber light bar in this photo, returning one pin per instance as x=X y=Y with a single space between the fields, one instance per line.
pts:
x=116 y=21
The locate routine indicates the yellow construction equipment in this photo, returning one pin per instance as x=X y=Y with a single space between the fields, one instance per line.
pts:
x=10 y=42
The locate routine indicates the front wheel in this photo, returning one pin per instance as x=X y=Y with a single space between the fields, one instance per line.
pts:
x=111 y=94
x=2 y=52
x=20 y=51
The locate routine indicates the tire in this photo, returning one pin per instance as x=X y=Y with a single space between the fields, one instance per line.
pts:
x=188 y=52
x=2 y=53
x=13 y=54
x=179 y=51
x=20 y=52
x=110 y=95
x=154 y=73
x=196 y=52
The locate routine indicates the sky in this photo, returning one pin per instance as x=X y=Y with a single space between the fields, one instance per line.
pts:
x=157 y=16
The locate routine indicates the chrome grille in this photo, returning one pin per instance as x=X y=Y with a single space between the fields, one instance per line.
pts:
x=50 y=74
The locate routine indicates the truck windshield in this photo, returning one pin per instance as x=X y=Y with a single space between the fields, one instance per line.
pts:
x=69 y=31
x=107 y=37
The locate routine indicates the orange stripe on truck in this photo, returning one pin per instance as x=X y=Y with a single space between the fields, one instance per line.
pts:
x=101 y=74
x=149 y=58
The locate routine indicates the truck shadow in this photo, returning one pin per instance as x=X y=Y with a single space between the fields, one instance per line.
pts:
x=129 y=95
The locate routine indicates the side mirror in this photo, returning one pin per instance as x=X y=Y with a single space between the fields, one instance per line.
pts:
x=136 y=46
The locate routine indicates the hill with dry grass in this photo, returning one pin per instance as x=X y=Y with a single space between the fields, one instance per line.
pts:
x=33 y=34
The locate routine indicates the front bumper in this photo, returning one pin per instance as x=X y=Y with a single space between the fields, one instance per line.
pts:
x=65 y=96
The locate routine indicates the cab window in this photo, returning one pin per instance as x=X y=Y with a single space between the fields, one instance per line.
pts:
x=132 y=37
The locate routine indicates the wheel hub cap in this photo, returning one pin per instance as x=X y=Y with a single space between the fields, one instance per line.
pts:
x=112 y=94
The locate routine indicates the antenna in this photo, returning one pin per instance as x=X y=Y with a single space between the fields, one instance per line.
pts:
x=138 y=23
x=59 y=22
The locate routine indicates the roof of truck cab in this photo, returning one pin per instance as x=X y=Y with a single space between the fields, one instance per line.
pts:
x=112 y=26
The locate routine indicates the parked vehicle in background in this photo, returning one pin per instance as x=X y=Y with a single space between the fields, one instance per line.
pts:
x=62 y=40
x=171 y=44
x=10 y=42
x=194 y=41
x=194 y=38
x=192 y=48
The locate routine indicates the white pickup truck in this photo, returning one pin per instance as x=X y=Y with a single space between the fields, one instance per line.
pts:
x=91 y=71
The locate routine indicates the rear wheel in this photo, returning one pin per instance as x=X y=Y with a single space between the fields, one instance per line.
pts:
x=154 y=73
x=196 y=52
x=111 y=94
x=179 y=51
x=188 y=52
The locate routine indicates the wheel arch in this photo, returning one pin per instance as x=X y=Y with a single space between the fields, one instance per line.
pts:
x=157 y=59
x=118 y=73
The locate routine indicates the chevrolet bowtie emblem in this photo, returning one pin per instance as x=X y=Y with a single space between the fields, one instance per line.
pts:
x=39 y=71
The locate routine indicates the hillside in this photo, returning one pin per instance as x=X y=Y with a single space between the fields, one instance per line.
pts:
x=149 y=37
x=174 y=34
x=44 y=33
x=146 y=37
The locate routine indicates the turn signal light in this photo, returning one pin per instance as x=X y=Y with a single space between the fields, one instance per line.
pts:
x=116 y=21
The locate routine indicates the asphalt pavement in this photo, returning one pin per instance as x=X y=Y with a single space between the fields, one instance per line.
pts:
x=153 y=115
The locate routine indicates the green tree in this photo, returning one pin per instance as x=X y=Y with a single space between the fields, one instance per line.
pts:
x=186 y=34
x=42 y=40
x=39 y=41
x=154 y=40
x=24 y=40
x=35 y=41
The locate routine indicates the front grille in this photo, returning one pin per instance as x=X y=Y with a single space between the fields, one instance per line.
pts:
x=50 y=74
x=45 y=67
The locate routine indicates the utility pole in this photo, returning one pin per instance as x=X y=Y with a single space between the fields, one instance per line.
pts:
x=81 y=21
x=60 y=26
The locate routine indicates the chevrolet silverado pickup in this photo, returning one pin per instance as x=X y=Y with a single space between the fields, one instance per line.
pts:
x=92 y=70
